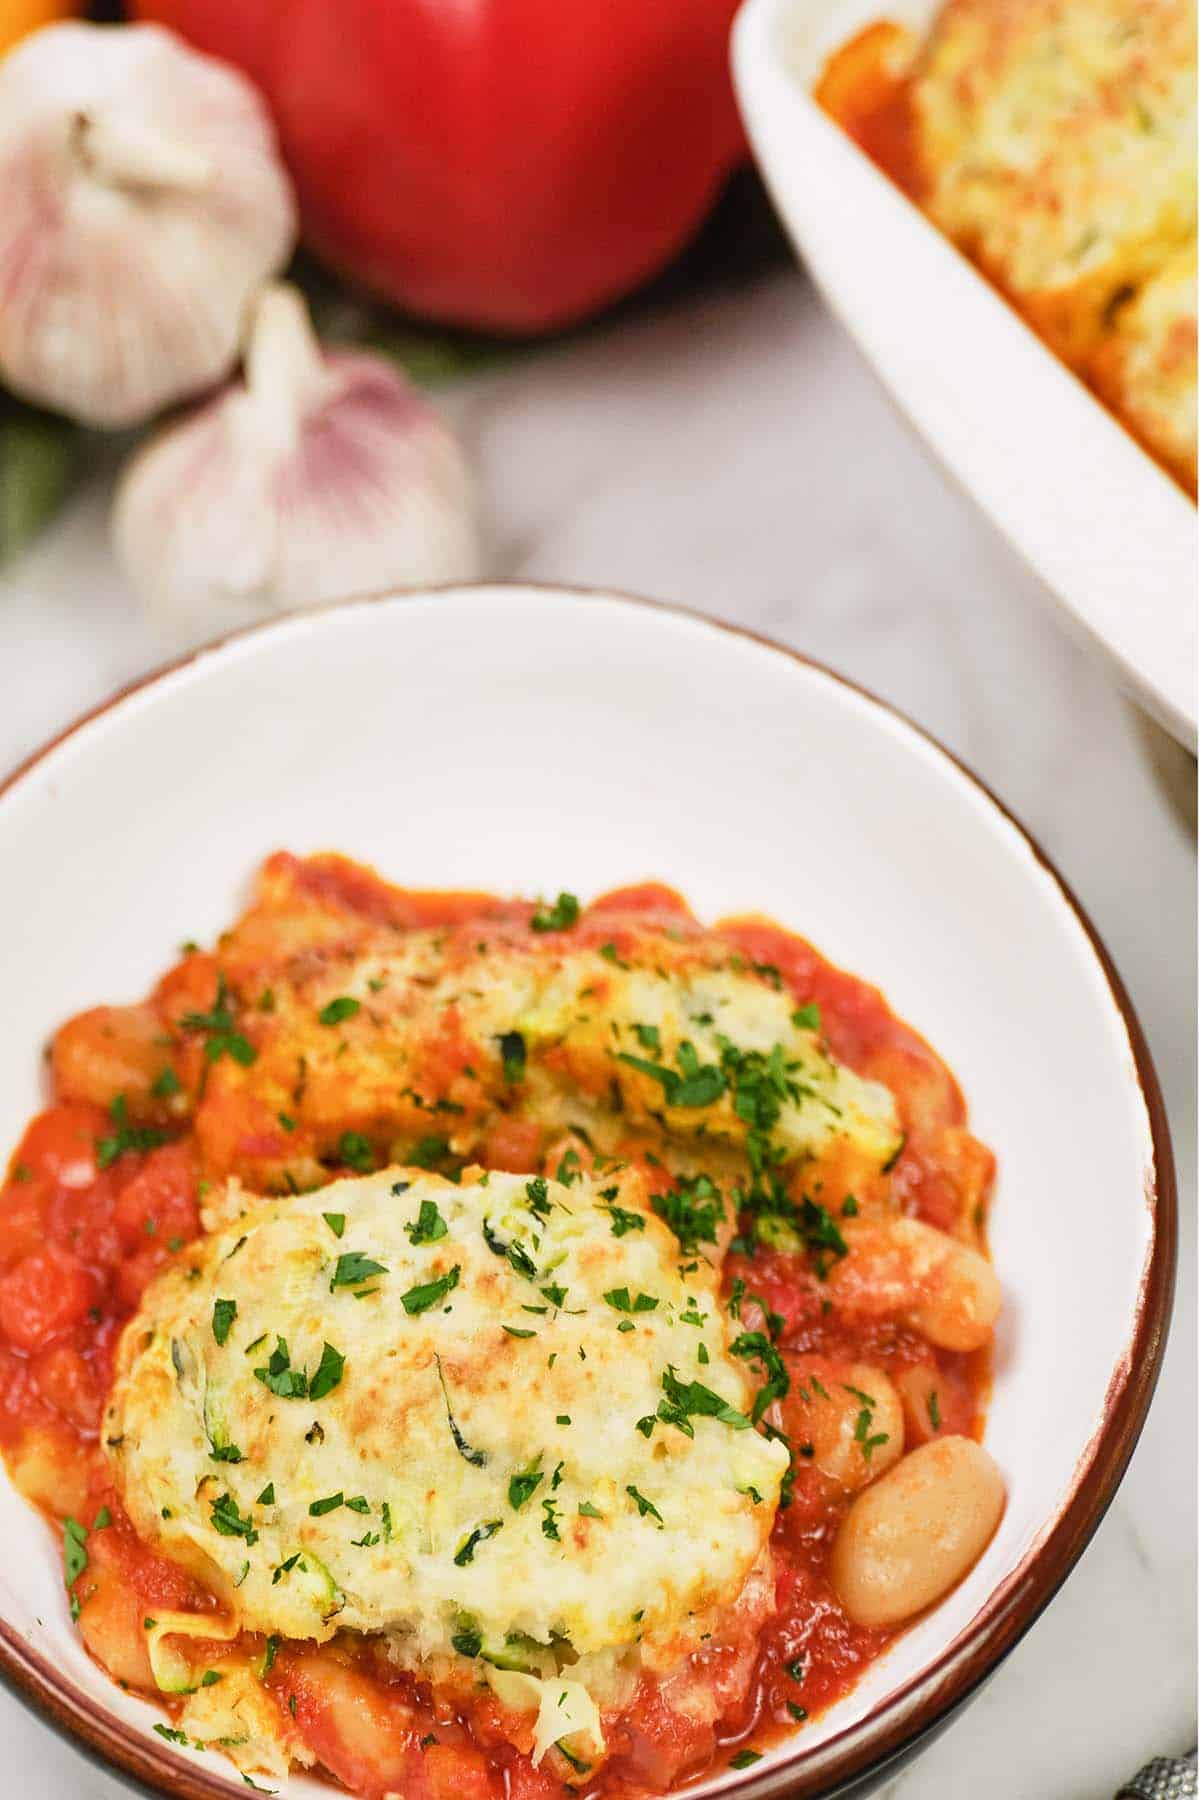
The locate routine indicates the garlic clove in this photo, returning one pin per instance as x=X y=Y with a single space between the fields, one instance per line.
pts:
x=322 y=474
x=144 y=204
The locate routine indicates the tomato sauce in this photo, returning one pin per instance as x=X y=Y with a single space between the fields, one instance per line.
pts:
x=93 y=1208
x=867 y=88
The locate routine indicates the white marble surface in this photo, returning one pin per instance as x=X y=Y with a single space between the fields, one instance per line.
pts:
x=737 y=456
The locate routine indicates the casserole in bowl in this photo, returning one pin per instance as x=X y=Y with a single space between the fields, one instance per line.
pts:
x=826 y=803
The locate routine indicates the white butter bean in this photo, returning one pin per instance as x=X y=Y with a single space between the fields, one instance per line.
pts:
x=912 y=1535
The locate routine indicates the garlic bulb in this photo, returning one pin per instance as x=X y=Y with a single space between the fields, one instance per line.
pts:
x=143 y=206
x=321 y=475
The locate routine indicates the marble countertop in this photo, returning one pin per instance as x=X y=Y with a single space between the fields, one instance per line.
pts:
x=735 y=454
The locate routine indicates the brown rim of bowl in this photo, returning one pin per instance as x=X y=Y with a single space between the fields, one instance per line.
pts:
x=927 y=1697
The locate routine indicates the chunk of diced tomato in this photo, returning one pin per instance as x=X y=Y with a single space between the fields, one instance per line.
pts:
x=158 y=1202
x=43 y=1296
x=65 y=1381
x=60 y=1144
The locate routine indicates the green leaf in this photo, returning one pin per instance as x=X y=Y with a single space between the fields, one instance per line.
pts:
x=523 y=1484
x=223 y=1314
x=38 y=457
x=353 y=1267
x=428 y=1226
x=419 y=1299
x=559 y=917
x=329 y=1373
x=344 y=1007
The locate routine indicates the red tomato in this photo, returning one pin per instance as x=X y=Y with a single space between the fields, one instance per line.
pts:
x=43 y=1296
x=60 y=1144
x=81 y=1220
x=22 y=1226
x=513 y=165
x=158 y=1205
x=65 y=1382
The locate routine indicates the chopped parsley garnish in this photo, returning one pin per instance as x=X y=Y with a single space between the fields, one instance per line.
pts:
x=75 y=1559
x=512 y=1055
x=222 y=1038
x=568 y=1169
x=467 y=1641
x=559 y=917
x=756 y=1347
x=692 y=1084
x=623 y=1220
x=745 y=1758
x=552 y=1514
x=267 y=1497
x=798 y=1712
x=648 y=1037
x=795 y=1668
x=353 y=1268
x=331 y=1502
x=466 y=1550
x=355 y=1151
x=269 y=1655
x=685 y=1400
x=428 y=1151
x=619 y=1299
x=126 y=1136
x=819 y=1231
x=279 y=1376
x=165 y=1084
x=210 y=1678
x=646 y=1508
x=428 y=1225
x=294 y=1384
x=419 y=1299
x=807 y=1018
x=477 y=1458
x=336 y=1222
x=286 y=1121
x=692 y=1210
x=586 y=1510
x=867 y=1440
x=522 y=1485
x=537 y=1193
x=229 y=1521
x=344 y=1007
x=515 y=1331
x=226 y=1453
x=554 y=1294
x=172 y=1733
x=850 y=1207
x=223 y=1314
x=514 y=1252
x=934 y=1410
x=359 y=1503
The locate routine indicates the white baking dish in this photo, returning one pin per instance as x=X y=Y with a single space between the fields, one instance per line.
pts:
x=1111 y=536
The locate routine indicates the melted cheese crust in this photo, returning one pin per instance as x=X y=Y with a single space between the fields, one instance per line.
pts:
x=490 y=1475
x=435 y=1041
x=1058 y=138
x=1147 y=368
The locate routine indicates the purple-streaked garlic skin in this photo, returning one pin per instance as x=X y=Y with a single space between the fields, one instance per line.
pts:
x=144 y=205
x=323 y=475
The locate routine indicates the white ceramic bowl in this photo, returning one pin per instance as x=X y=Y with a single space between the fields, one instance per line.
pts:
x=526 y=740
x=1111 y=536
